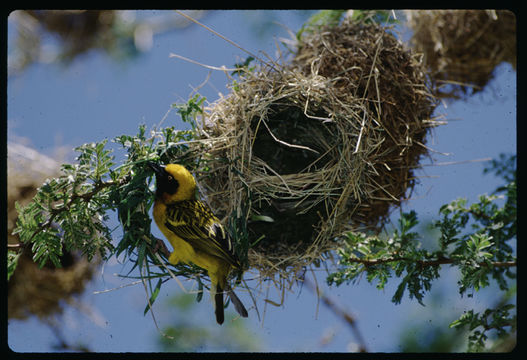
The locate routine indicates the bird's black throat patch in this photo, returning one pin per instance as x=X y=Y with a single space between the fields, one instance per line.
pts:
x=166 y=184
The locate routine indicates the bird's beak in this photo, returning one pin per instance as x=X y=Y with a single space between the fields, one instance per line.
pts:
x=159 y=170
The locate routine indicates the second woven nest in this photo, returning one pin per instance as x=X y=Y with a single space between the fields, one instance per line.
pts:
x=462 y=48
x=321 y=145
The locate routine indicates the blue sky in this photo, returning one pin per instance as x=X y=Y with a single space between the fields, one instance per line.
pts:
x=96 y=98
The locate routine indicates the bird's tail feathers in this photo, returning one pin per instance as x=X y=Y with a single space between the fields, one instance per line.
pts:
x=218 y=304
x=238 y=305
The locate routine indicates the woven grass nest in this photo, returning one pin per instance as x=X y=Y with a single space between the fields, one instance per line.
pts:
x=321 y=145
x=462 y=47
x=79 y=30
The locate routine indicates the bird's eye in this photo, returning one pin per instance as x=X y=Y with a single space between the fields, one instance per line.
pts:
x=170 y=178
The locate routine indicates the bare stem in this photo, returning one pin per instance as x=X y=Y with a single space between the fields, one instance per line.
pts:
x=424 y=263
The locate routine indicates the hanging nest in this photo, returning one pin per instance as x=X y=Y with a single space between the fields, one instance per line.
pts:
x=462 y=47
x=324 y=144
x=33 y=290
x=43 y=291
x=79 y=30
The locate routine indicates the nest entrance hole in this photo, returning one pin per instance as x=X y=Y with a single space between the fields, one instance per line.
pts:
x=291 y=143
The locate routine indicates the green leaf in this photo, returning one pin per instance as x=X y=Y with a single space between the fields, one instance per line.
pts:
x=397 y=297
x=12 y=262
x=199 y=295
x=262 y=218
x=190 y=109
x=240 y=67
x=466 y=318
x=153 y=297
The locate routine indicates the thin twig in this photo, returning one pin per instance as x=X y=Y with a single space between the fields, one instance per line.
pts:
x=445 y=163
x=341 y=313
x=360 y=133
x=117 y=288
x=286 y=143
x=162 y=262
x=224 y=38
x=86 y=197
x=221 y=68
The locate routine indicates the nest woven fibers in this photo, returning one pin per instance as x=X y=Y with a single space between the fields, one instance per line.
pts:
x=462 y=47
x=323 y=144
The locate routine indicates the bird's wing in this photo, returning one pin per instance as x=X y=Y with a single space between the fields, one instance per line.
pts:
x=195 y=223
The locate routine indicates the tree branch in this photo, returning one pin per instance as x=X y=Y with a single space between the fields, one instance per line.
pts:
x=442 y=261
x=86 y=197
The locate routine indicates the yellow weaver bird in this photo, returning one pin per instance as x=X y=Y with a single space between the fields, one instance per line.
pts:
x=196 y=235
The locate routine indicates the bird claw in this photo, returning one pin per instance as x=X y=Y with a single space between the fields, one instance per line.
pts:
x=161 y=247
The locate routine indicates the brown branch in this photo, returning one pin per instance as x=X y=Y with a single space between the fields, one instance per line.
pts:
x=343 y=314
x=423 y=263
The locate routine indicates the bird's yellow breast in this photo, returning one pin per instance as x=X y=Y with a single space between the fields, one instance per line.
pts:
x=184 y=252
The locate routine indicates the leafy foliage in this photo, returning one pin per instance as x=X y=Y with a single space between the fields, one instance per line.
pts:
x=244 y=66
x=325 y=18
x=477 y=239
x=12 y=262
x=383 y=257
x=72 y=211
x=333 y=18
x=480 y=324
x=373 y=16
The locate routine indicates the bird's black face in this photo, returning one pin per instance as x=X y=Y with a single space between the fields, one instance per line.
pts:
x=164 y=181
